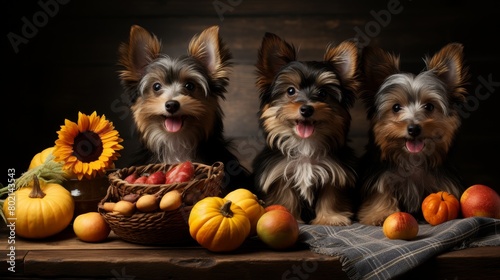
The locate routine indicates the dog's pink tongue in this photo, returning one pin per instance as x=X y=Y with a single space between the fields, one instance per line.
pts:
x=414 y=146
x=304 y=129
x=173 y=124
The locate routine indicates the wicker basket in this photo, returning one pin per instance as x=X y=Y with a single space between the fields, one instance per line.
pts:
x=161 y=227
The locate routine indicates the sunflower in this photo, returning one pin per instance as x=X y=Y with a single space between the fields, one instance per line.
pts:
x=87 y=148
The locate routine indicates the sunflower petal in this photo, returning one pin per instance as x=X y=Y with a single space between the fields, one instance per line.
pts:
x=83 y=122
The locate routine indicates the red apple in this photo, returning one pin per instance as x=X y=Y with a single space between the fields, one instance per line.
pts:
x=400 y=225
x=278 y=229
x=480 y=201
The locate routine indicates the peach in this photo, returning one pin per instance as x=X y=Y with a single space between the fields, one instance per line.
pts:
x=278 y=229
x=400 y=225
x=91 y=227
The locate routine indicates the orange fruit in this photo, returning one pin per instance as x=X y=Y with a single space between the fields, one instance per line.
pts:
x=91 y=227
x=278 y=229
x=400 y=225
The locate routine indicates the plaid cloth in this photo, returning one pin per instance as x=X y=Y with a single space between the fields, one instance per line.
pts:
x=365 y=253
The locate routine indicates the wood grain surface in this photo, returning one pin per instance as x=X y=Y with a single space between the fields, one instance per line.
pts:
x=63 y=256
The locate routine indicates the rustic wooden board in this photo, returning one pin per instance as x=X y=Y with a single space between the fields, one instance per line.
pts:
x=178 y=264
x=65 y=257
x=461 y=264
x=67 y=240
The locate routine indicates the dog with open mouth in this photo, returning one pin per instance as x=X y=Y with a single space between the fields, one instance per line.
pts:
x=306 y=164
x=413 y=122
x=176 y=102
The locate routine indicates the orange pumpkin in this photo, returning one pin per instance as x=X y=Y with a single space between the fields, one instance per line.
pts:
x=43 y=156
x=440 y=207
x=40 y=157
x=218 y=224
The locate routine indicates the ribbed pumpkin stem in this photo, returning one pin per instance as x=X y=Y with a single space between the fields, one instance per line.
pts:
x=36 y=192
x=225 y=210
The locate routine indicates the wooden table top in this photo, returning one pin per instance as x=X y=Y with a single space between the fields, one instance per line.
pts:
x=66 y=257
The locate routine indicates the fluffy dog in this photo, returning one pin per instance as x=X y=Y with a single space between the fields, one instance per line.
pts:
x=176 y=101
x=306 y=164
x=413 y=123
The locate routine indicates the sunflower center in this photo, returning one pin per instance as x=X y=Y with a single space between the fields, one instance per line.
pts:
x=87 y=146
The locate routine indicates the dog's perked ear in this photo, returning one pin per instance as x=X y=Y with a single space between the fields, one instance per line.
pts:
x=344 y=58
x=273 y=54
x=448 y=66
x=208 y=48
x=142 y=48
x=376 y=66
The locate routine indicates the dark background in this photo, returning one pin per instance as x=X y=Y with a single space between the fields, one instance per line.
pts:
x=68 y=62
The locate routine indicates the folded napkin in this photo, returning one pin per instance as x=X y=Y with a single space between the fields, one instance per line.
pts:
x=365 y=253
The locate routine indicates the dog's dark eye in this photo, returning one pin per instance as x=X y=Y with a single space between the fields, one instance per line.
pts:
x=290 y=91
x=189 y=86
x=322 y=94
x=156 y=86
x=429 y=107
x=396 y=108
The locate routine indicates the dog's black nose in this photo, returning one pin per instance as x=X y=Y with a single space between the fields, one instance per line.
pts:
x=414 y=130
x=172 y=106
x=306 y=110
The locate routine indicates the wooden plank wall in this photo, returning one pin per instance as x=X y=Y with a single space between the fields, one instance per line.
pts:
x=67 y=61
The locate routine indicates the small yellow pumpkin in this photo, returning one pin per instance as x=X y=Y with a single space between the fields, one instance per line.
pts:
x=40 y=209
x=240 y=194
x=250 y=203
x=218 y=224
x=40 y=157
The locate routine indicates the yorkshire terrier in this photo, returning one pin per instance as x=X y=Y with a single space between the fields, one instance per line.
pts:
x=413 y=123
x=175 y=102
x=306 y=164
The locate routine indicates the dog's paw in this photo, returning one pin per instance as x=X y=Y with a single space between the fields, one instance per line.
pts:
x=373 y=220
x=375 y=216
x=332 y=220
